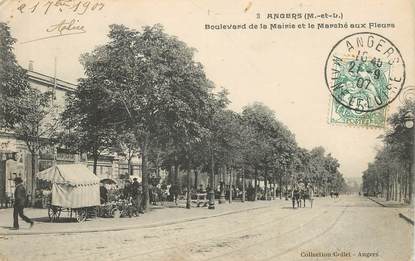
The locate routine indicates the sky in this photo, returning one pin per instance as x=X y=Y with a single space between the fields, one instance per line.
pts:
x=283 y=69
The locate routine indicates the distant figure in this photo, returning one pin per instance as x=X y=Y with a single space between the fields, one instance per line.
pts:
x=310 y=194
x=251 y=192
x=136 y=194
x=19 y=204
x=174 y=192
x=201 y=189
x=127 y=190
x=296 y=197
x=103 y=193
x=208 y=189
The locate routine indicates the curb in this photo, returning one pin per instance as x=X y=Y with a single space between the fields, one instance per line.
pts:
x=377 y=202
x=407 y=219
x=165 y=223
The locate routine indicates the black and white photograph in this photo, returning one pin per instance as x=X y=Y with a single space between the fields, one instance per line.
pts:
x=195 y=130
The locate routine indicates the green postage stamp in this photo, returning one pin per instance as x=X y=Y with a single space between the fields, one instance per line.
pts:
x=364 y=73
x=340 y=114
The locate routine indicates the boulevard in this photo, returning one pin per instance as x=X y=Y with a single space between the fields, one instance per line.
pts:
x=131 y=134
x=345 y=228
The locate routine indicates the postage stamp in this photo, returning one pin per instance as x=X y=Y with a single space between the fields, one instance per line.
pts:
x=364 y=72
x=339 y=114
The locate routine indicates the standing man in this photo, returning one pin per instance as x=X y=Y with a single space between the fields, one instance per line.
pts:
x=136 y=191
x=19 y=203
x=127 y=189
x=103 y=192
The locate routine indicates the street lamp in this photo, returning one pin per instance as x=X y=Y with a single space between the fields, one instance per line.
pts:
x=409 y=119
x=409 y=122
x=212 y=181
x=188 y=196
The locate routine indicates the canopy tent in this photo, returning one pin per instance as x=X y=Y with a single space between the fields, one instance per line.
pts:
x=73 y=185
x=70 y=174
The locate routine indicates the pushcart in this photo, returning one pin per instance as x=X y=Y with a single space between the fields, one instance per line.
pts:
x=75 y=190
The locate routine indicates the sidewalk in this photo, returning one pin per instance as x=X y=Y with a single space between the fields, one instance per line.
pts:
x=157 y=216
x=405 y=210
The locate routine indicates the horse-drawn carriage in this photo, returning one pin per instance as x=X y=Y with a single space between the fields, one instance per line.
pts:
x=300 y=193
x=75 y=190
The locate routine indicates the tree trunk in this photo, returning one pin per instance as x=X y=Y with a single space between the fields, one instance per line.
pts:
x=237 y=179
x=280 y=184
x=176 y=175
x=144 y=171
x=286 y=189
x=129 y=166
x=230 y=185
x=400 y=186
x=266 y=183
x=212 y=182
x=387 y=188
x=34 y=171
x=396 y=187
x=188 y=185
x=243 y=184
x=410 y=180
x=176 y=172
x=95 y=164
x=170 y=174
x=196 y=184
x=188 y=196
x=255 y=183
x=406 y=187
x=222 y=185
x=273 y=185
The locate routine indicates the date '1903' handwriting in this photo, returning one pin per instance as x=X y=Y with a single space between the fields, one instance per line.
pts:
x=76 y=6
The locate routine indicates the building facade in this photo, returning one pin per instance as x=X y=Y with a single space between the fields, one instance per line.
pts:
x=15 y=159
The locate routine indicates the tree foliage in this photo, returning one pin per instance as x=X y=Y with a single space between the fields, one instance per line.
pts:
x=13 y=81
x=389 y=174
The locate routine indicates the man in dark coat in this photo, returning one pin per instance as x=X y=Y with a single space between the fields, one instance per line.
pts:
x=19 y=203
x=103 y=192
x=127 y=189
x=136 y=193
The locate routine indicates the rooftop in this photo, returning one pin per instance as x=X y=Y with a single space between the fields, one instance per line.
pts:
x=50 y=81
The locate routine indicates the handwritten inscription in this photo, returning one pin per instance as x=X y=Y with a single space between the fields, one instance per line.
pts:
x=75 y=6
x=65 y=27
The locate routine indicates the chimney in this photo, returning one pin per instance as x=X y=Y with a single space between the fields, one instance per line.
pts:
x=30 y=65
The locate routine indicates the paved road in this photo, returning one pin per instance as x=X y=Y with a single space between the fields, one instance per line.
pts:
x=349 y=228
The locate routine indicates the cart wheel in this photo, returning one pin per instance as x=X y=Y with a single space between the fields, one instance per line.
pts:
x=54 y=213
x=81 y=215
x=116 y=213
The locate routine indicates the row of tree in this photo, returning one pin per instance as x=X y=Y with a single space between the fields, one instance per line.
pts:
x=389 y=175
x=144 y=94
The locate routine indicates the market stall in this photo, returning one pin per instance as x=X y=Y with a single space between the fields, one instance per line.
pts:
x=75 y=189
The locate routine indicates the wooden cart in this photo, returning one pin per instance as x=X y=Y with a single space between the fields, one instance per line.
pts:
x=75 y=191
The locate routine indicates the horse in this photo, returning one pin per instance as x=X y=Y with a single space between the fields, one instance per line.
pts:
x=296 y=198
x=307 y=194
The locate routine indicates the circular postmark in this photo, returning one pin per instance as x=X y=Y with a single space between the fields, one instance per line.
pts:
x=364 y=72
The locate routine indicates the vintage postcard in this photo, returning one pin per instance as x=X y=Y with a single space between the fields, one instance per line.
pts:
x=207 y=130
